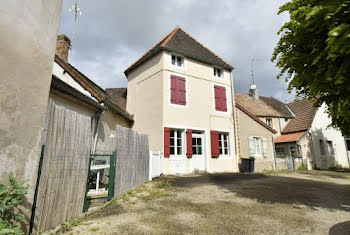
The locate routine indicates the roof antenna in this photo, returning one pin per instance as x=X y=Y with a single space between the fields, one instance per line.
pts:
x=76 y=11
x=252 y=70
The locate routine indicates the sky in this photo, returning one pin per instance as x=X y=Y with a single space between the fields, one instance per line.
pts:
x=112 y=34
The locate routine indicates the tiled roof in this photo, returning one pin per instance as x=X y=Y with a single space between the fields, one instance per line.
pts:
x=118 y=95
x=255 y=118
x=291 y=137
x=95 y=90
x=178 y=41
x=264 y=106
x=304 y=114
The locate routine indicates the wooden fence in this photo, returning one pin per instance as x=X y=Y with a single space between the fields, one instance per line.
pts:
x=64 y=168
x=132 y=165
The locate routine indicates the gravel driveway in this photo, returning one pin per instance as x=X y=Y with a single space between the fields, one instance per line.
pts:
x=296 y=203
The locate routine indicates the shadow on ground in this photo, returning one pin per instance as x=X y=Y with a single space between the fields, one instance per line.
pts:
x=275 y=189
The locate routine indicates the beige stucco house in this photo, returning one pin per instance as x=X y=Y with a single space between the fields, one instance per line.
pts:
x=310 y=137
x=180 y=94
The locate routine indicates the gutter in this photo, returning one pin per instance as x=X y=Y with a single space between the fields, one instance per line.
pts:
x=233 y=115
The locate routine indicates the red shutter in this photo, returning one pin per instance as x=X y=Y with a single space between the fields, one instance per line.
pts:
x=173 y=89
x=181 y=90
x=189 y=143
x=166 y=142
x=220 y=98
x=215 y=150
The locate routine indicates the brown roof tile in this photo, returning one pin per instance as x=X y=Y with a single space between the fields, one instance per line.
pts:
x=264 y=106
x=180 y=42
x=304 y=114
x=118 y=95
x=255 y=118
x=291 y=137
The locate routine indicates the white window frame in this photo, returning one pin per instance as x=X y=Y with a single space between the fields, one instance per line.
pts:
x=215 y=75
x=175 y=142
x=257 y=154
x=227 y=98
x=169 y=90
x=183 y=66
x=267 y=122
x=222 y=147
x=201 y=136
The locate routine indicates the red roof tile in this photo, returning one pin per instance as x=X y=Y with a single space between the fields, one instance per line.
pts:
x=292 y=137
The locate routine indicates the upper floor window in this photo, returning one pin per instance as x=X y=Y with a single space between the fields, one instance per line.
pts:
x=177 y=61
x=220 y=98
x=177 y=90
x=269 y=121
x=218 y=72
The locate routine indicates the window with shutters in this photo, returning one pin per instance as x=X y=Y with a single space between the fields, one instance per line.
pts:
x=220 y=98
x=223 y=144
x=176 y=142
x=178 y=90
x=257 y=146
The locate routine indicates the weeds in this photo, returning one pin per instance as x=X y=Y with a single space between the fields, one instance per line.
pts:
x=199 y=172
x=163 y=183
x=302 y=167
x=94 y=229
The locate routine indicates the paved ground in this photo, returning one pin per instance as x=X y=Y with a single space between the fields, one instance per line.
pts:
x=297 y=203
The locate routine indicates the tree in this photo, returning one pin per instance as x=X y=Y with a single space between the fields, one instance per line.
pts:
x=313 y=54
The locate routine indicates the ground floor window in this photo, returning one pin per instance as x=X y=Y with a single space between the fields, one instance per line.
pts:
x=330 y=147
x=257 y=146
x=293 y=151
x=223 y=143
x=322 y=148
x=176 y=142
x=280 y=151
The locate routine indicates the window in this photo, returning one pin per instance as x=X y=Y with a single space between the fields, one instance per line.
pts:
x=322 y=148
x=177 y=90
x=177 y=61
x=280 y=151
x=197 y=144
x=269 y=121
x=257 y=146
x=220 y=98
x=218 y=72
x=330 y=147
x=286 y=119
x=293 y=151
x=223 y=143
x=176 y=142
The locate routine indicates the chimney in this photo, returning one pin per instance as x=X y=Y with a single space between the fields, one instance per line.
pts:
x=63 y=46
x=253 y=92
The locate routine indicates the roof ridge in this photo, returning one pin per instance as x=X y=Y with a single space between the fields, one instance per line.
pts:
x=159 y=42
x=205 y=47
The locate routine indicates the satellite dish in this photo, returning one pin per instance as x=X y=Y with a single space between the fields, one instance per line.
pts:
x=253 y=87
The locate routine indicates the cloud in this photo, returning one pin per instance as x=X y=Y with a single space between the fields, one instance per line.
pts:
x=111 y=35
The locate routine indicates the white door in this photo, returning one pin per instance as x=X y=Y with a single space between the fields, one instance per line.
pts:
x=198 y=153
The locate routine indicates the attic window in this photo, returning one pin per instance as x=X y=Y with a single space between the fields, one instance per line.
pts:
x=218 y=72
x=177 y=61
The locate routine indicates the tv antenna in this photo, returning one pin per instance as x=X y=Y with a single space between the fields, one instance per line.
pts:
x=253 y=61
x=77 y=12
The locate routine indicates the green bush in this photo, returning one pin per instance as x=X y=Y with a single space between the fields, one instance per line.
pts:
x=302 y=167
x=10 y=197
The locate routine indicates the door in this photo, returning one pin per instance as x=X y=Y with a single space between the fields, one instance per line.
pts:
x=198 y=157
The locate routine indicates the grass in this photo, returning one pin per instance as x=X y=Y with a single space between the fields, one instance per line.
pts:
x=273 y=172
x=199 y=172
x=69 y=225
x=94 y=229
x=163 y=183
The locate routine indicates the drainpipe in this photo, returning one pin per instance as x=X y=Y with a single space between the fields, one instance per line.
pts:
x=274 y=155
x=312 y=149
x=97 y=125
x=233 y=115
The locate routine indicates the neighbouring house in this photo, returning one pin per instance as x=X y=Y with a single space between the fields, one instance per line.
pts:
x=259 y=120
x=181 y=94
x=309 y=136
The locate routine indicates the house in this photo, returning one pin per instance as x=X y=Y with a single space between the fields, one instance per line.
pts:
x=181 y=94
x=259 y=120
x=310 y=136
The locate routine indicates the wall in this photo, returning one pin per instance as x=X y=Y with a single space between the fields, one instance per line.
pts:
x=320 y=130
x=28 y=42
x=107 y=131
x=249 y=127
x=199 y=112
x=145 y=85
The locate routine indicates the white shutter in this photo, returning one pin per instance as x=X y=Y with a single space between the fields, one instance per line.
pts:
x=265 y=146
x=251 y=147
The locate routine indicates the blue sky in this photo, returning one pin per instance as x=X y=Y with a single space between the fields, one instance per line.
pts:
x=111 y=35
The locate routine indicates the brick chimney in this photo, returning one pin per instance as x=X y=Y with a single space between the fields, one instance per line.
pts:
x=62 y=46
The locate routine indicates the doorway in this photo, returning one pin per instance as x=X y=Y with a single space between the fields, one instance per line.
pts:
x=198 y=151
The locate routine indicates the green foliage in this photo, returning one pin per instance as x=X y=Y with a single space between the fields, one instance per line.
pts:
x=302 y=167
x=10 y=197
x=163 y=183
x=313 y=54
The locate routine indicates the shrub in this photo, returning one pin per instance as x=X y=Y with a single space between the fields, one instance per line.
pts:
x=10 y=197
x=302 y=167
